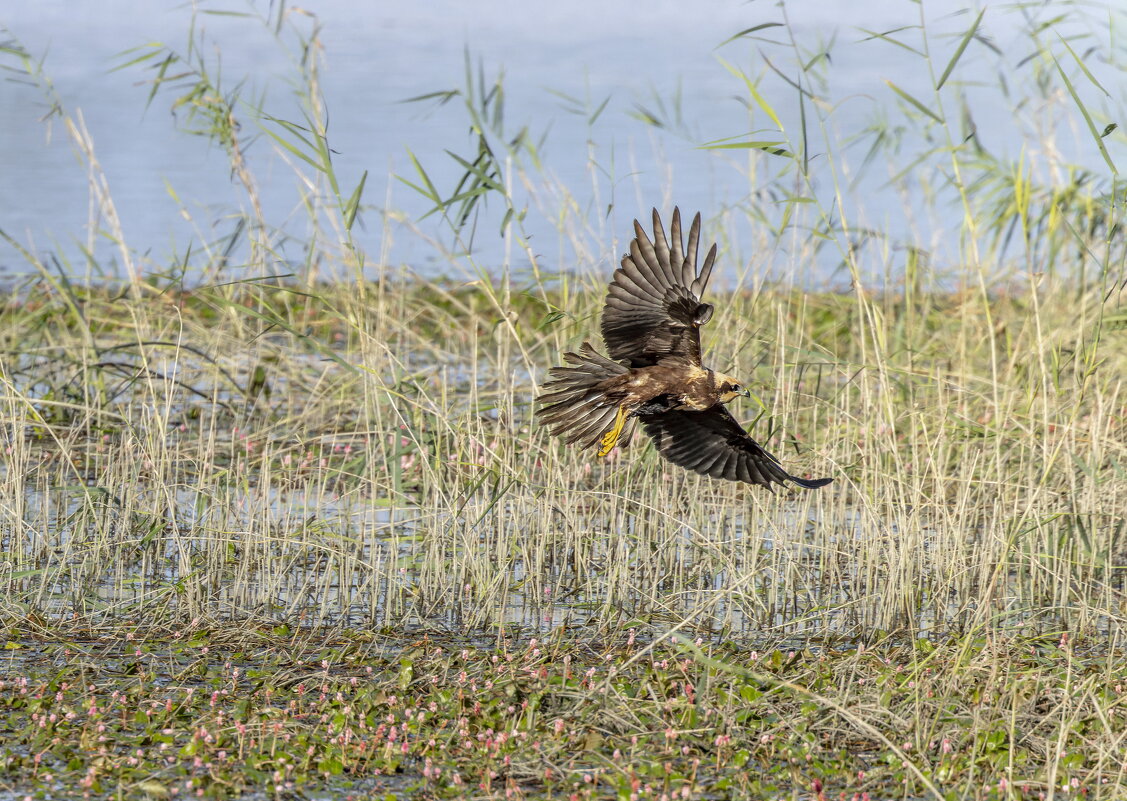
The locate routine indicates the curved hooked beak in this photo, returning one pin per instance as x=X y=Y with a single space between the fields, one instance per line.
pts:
x=745 y=392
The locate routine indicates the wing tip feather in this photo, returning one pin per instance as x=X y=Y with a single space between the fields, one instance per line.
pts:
x=810 y=483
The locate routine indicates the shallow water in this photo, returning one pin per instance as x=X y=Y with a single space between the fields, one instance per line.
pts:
x=311 y=558
x=377 y=56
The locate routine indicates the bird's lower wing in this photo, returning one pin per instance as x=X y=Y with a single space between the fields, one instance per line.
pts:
x=712 y=443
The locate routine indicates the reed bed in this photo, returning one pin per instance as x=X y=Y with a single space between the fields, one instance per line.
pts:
x=323 y=455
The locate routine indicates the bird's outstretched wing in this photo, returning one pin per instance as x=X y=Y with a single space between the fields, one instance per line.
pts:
x=712 y=443
x=653 y=308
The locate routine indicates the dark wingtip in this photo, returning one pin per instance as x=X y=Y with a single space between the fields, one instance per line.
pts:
x=810 y=483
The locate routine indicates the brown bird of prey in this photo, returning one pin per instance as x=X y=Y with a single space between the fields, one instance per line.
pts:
x=651 y=327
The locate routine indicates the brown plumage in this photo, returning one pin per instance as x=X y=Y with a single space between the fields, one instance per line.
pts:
x=651 y=327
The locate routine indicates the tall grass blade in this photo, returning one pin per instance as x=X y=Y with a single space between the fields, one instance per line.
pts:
x=1087 y=117
x=959 y=50
x=914 y=102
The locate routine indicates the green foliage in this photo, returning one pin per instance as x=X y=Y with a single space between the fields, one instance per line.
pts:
x=317 y=712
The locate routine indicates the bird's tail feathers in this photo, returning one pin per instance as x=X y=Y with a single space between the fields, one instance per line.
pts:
x=575 y=407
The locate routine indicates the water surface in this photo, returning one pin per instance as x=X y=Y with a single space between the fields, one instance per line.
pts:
x=664 y=61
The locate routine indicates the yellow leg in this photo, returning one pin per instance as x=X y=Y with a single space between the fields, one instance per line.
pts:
x=610 y=439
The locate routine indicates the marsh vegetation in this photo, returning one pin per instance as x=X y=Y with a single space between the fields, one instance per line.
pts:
x=274 y=518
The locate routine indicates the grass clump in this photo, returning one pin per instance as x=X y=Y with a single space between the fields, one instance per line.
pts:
x=313 y=458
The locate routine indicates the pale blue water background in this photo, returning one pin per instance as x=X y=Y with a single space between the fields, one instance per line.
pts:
x=378 y=54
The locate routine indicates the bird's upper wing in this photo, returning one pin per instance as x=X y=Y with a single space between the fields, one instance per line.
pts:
x=653 y=307
x=712 y=443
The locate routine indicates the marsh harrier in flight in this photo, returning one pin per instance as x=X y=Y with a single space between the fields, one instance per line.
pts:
x=651 y=327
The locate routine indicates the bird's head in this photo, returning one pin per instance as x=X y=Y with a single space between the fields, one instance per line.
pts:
x=729 y=388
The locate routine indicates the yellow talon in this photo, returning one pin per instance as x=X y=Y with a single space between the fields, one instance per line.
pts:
x=610 y=439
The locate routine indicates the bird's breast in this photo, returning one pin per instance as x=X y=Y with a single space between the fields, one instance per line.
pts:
x=688 y=386
x=697 y=389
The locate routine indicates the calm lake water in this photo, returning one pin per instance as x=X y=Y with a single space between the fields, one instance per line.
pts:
x=378 y=55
